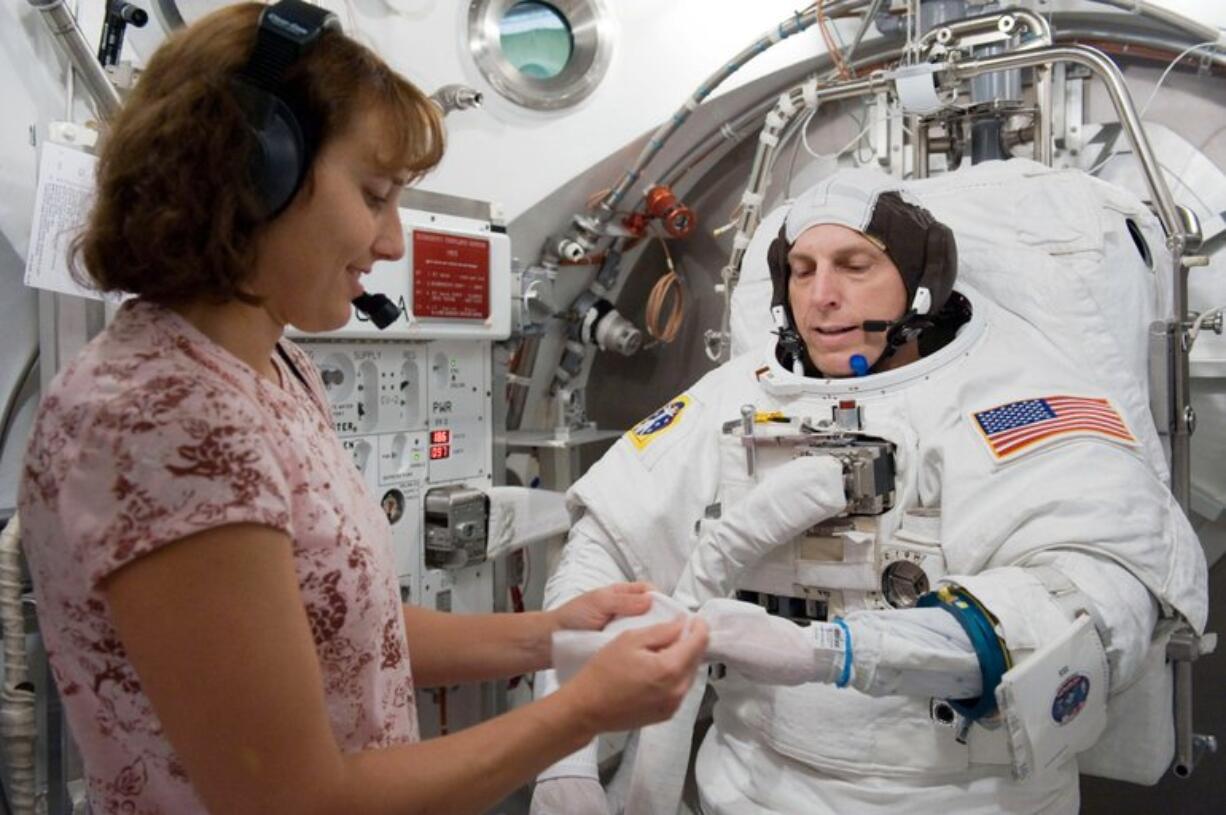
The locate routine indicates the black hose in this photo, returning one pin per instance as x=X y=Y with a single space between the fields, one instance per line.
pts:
x=12 y=403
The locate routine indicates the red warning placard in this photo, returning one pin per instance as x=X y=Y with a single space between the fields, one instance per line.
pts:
x=451 y=276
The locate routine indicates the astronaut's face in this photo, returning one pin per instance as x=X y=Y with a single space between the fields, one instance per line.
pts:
x=839 y=279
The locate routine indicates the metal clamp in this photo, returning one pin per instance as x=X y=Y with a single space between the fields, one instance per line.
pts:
x=751 y=449
x=457 y=526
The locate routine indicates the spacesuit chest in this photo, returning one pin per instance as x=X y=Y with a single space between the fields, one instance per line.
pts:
x=882 y=552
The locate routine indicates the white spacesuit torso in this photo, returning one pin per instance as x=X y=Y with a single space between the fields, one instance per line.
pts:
x=1026 y=457
x=1084 y=481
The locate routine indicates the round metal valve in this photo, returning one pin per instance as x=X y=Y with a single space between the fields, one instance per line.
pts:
x=902 y=583
x=678 y=219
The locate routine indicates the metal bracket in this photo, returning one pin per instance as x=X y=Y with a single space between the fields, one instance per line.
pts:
x=989 y=29
x=1185 y=648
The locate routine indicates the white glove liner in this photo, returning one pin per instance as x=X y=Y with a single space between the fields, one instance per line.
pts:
x=569 y=796
x=770 y=649
x=789 y=500
x=914 y=652
x=571 y=649
x=520 y=516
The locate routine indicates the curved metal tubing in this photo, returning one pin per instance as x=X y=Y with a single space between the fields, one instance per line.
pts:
x=1102 y=67
x=64 y=29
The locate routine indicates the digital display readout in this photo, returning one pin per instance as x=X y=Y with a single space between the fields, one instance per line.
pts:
x=440 y=437
x=439 y=451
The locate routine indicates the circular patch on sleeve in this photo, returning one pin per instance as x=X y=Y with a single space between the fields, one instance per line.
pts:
x=1070 y=699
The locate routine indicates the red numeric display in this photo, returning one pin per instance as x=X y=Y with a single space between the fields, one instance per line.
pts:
x=438 y=451
x=440 y=437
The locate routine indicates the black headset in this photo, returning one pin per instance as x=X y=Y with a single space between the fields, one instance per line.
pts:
x=284 y=136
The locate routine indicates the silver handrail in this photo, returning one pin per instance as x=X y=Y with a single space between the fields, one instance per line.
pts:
x=1102 y=67
x=64 y=29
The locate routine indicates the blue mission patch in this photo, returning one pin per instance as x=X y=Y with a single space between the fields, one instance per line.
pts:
x=1070 y=698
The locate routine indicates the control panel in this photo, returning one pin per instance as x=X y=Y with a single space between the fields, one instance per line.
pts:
x=414 y=415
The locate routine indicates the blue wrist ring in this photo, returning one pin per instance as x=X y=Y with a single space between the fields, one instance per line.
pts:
x=845 y=676
x=980 y=627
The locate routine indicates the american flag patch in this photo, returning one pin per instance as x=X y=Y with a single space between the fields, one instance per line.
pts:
x=1012 y=428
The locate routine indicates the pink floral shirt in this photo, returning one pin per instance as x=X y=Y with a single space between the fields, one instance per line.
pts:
x=151 y=434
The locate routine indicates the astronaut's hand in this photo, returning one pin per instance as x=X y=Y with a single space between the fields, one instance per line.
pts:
x=788 y=501
x=771 y=650
x=569 y=795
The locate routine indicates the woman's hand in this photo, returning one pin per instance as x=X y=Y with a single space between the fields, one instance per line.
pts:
x=639 y=678
x=596 y=609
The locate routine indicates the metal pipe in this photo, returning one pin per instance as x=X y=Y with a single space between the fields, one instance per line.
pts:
x=1044 y=149
x=1106 y=71
x=1202 y=33
x=64 y=29
x=1061 y=33
x=869 y=15
x=919 y=155
x=1148 y=40
x=792 y=25
x=1185 y=756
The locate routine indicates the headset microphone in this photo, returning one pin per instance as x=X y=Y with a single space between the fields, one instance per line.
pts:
x=875 y=326
x=378 y=307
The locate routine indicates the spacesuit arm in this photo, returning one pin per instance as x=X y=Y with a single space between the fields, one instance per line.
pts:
x=1035 y=603
x=927 y=652
x=1124 y=611
x=588 y=562
x=1072 y=627
x=790 y=499
x=911 y=652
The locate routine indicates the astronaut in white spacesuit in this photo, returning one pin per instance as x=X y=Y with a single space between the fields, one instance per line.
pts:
x=971 y=537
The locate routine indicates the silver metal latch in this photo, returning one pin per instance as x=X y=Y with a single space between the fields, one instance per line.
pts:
x=457 y=526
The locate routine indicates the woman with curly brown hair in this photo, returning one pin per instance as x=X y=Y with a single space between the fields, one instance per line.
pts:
x=214 y=581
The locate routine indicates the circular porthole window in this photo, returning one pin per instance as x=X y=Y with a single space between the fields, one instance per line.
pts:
x=541 y=55
x=536 y=39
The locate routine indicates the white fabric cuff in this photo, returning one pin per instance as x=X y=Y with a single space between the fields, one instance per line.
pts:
x=520 y=516
x=581 y=764
x=1021 y=603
